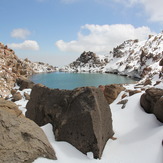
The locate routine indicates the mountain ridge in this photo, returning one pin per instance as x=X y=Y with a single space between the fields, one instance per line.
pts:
x=133 y=58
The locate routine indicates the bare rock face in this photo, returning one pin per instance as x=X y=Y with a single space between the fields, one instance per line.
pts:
x=112 y=91
x=152 y=102
x=21 y=140
x=81 y=116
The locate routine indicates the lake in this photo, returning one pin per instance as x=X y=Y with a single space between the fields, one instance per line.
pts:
x=65 y=80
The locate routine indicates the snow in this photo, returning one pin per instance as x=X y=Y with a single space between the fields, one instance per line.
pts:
x=139 y=136
x=126 y=59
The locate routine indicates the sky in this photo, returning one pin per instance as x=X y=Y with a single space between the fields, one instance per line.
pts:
x=58 y=31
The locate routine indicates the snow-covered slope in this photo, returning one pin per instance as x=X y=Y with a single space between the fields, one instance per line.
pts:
x=137 y=59
x=132 y=58
x=139 y=135
x=39 y=67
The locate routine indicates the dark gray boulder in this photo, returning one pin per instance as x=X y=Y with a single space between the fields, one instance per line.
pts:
x=81 y=116
x=152 y=102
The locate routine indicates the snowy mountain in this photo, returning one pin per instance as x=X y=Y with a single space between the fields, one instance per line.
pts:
x=132 y=58
x=88 y=62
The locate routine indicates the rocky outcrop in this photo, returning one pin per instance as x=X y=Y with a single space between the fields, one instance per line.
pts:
x=152 y=102
x=21 y=140
x=11 y=68
x=87 y=62
x=112 y=91
x=81 y=116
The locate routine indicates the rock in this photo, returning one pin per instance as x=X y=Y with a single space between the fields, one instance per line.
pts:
x=123 y=102
x=132 y=92
x=124 y=95
x=161 y=62
x=147 y=82
x=17 y=96
x=27 y=96
x=10 y=105
x=21 y=140
x=13 y=91
x=112 y=91
x=102 y=87
x=157 y=82
x=151 y=101
x=81 y=116
x=158 y=109
x=24 y=83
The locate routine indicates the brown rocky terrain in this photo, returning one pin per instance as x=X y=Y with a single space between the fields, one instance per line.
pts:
x=12 y=68
x=21 y=140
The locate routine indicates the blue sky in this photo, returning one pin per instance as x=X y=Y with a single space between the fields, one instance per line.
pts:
x=58 y=31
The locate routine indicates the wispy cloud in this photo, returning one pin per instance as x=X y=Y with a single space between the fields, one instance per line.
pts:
x=153 y=8
x=102 y=38
x=26 y=45
x=20 y=33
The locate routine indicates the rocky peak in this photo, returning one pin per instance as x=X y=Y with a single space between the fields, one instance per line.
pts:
x=86 y=61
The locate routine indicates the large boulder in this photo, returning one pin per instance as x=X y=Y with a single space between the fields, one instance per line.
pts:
x=21 y=140
x=152 y=102
x=112 y=91
x=81 y=116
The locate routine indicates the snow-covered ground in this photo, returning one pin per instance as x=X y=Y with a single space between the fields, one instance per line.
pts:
x=139 y=136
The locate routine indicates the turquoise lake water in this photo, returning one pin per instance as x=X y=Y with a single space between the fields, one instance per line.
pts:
x=64 y=80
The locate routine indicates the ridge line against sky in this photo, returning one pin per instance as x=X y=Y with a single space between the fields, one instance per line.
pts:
x=58 y=31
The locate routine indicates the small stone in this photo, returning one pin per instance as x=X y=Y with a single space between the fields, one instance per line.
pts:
x=17 y=96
